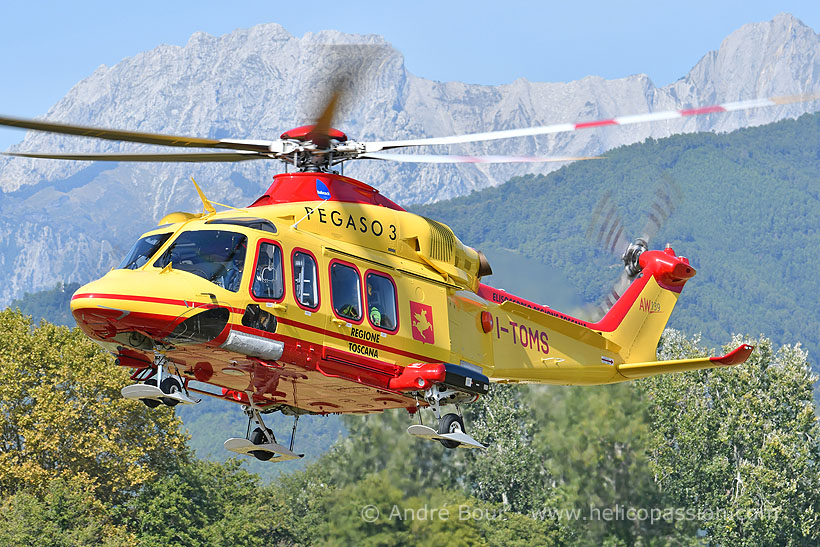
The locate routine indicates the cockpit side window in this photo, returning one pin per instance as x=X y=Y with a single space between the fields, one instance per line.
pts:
x=268 y=281
x=215 y=255
x=381 y=301
x=305 y=281
x=346 y=291
x=142 y=251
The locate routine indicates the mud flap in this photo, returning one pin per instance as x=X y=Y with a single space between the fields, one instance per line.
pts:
x=142 y=391
x=424 y=432
x=245 y=447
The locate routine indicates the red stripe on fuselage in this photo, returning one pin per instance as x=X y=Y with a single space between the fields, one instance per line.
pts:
x=283 y=320
x=347 y=338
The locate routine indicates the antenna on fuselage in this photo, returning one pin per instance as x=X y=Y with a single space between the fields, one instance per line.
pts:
x=323 y=193
x=205 y=203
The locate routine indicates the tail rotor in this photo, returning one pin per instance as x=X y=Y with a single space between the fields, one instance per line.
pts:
x=607 y=230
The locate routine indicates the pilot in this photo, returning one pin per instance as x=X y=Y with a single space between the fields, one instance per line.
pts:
x=376 y=310
x=233 y=277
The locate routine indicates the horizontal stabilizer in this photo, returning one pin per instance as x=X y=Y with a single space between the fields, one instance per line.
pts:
x=642 y=370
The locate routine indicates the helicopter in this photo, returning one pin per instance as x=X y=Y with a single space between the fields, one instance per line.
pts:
x=325 y=297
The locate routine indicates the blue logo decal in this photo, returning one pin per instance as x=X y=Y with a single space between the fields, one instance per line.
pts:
x=322 y=191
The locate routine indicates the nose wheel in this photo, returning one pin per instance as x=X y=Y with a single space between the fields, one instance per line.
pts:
x=162 y=388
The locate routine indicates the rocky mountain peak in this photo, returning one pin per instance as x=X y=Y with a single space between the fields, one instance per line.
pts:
x=79 y=218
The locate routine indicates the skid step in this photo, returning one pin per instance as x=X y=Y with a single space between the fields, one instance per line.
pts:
x=143 y=391
x=247 y=448
x=424 y=432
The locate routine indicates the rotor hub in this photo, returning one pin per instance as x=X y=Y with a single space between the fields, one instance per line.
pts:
x=305 y=133
x=632 y=255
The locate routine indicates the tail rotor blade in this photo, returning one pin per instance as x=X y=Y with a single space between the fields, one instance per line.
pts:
x=663 y=205
x=606 y=228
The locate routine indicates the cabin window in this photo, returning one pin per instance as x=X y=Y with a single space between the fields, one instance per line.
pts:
x=380 y=293
x=304 y=280
x=215 y=255
x=346 y=291
x=142 y=251
x=268 y=280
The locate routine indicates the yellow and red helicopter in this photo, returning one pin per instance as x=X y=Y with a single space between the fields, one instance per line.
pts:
x=323 y=296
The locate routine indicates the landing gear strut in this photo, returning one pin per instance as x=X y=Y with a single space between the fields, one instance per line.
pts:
x=261 y=443
x=163 y=388
x=450 y=432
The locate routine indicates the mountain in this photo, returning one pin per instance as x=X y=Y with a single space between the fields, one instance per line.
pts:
x=64 y=221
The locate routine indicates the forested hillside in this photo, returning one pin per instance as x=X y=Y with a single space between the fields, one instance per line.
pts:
x=748 y=218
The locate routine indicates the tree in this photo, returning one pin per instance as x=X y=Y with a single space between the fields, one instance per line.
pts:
x=65 y=515
x=62 y=416
x=738 y=447
x=207 y=503
x=509 y=471
x=597 y=440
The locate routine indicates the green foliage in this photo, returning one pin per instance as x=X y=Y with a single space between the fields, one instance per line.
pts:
x=412 y=465
x=510 y=471
x=62 y=415
x=51 y=305
x=747 y=220
x=596 y=439
x=67 y=514
x=740 y=445
x=205 y=503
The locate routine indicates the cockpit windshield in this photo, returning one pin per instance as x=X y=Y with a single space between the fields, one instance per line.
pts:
x=142 y=251
x=215 y=255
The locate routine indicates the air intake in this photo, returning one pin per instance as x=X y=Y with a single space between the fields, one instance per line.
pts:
x=442 y=241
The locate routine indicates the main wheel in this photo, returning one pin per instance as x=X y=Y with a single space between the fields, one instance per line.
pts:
x=150 y=403
x=450 y=423
x=170 y=385
x=258 y=438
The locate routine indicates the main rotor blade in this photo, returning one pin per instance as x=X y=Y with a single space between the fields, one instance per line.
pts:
x=134 y=136
x=566 y=127
x=320 y=133
x=434 y=158
x=189 y=157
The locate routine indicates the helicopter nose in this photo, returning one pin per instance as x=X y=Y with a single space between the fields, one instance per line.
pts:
x=139 y=308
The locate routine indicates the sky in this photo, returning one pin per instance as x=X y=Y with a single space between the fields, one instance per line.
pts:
x=47 y=47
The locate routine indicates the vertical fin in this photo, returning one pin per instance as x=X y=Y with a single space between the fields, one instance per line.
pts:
x=638 y=318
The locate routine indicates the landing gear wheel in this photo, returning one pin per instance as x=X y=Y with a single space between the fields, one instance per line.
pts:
x=170 y=385
x=150 y=403
x=258 y=438
x=450 y=423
